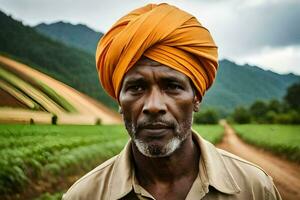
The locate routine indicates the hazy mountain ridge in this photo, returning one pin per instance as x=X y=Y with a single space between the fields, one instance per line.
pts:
x=79 y=36
x=242 y=85
x=234 y=85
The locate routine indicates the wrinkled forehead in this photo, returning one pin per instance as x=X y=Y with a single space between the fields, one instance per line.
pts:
x=146 y=67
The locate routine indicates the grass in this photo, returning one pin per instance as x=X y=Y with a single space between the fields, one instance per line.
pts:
x=280 y=139
x=36 y=152
x=212 y=133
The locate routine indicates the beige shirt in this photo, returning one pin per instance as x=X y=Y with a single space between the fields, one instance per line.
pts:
x=222 y=175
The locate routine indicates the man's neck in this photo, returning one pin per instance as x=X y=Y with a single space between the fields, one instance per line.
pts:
x=182 y=163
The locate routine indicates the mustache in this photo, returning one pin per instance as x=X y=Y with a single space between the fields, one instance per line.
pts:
x=161 y=122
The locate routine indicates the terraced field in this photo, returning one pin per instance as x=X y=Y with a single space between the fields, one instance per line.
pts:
x=29 y=96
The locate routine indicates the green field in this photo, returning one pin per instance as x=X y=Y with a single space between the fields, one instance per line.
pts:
x=280 y=139
x=34 y=153
x=212 y=133
x=31 y=153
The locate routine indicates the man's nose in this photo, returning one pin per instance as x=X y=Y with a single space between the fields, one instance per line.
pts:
x=155 y=103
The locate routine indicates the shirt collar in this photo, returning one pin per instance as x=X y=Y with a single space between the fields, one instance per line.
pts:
x=216 y=171
x=122 y=175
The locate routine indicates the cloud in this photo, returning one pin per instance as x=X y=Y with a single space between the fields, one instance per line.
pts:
x=279 y=59
x=272 y=24
x=242 y=29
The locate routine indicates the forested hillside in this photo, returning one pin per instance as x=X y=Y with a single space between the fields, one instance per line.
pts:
x=242 y=85
x=70 y=65
x=79 y=36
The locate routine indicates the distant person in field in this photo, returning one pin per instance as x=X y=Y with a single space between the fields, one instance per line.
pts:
x=157 y=62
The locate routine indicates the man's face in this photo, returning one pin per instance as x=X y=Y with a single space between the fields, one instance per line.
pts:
x=157 y=104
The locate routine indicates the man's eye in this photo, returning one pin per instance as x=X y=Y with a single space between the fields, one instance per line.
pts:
x=173 y=87
x=135 y=88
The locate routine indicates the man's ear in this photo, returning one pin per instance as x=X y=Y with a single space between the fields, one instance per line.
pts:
x=196 y=104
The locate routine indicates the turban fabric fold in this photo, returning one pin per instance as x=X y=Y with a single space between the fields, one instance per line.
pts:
x=164 y=34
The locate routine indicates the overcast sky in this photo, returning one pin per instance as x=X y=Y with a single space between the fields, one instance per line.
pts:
x=265 y=33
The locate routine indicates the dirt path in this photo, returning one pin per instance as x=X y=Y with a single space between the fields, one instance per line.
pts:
x=286 y=174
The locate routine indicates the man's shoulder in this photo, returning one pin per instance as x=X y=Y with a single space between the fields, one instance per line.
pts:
x=247 y=165
x=93 y=183
x=234 y=160
x=246 y=173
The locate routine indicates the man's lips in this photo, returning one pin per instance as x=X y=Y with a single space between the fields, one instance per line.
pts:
x=156 y=126
x=155 y=130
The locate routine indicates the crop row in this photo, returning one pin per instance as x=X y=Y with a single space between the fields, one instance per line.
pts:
x=31 y=91
x=36 y=152
x=43 y=151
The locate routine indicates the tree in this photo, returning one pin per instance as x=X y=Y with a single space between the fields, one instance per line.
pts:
x=258 y=111
x=275 y=106
x=209 y=116
x=241 y=115
x=293 y=96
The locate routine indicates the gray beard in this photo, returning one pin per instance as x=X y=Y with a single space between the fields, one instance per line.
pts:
x=158 y=152
x=154 y=151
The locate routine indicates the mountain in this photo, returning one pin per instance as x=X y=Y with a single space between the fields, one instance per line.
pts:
x=235 y=84
x=244 y=84
x=70 y=65
x=79 y=36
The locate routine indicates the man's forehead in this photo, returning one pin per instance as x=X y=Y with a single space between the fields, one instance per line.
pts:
x=145 y=67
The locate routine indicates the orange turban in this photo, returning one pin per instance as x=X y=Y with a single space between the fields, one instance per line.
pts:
x=164 y=34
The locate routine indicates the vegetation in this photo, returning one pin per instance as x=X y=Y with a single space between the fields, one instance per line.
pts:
x=272 y=112
x=242 y=85
x=212 y=133
x=72 y=66
x=34 y=94
x=293 y=96
x=34 y=152
x=31 y=153
x=30 y=91
x=79 y=36
x=209 y=116
x=56 y=97
x=241 y=115
x=280 y=139
x=48 y=196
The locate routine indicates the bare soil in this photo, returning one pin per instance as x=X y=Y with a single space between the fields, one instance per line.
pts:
x=286 y=174
x=85 y=106
x=7 y=99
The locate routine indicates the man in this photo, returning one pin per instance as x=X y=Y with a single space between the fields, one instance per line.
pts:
x=157 y=62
